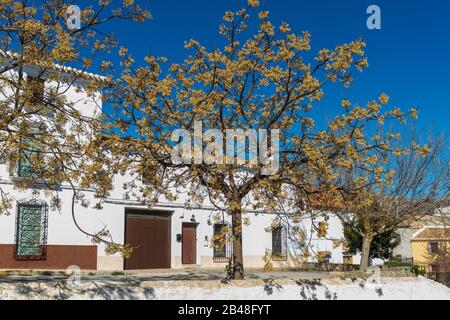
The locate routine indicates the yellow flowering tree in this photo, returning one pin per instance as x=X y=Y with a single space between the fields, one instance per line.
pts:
x=260 y=79
x=45 y=138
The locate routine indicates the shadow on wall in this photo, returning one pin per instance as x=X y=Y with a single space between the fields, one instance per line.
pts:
x=60 y=290
x=309 y=289
x=131 y=289
x=314 y=289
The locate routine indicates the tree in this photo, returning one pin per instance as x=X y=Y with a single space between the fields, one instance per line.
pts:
x=405 y=184
x=41 y=132
x=382 y=245
x=259 y=81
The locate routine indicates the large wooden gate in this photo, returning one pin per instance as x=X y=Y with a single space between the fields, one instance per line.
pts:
x=149 y=233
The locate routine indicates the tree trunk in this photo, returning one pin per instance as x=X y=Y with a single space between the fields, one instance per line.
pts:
x=238 y=259
x=365 y=252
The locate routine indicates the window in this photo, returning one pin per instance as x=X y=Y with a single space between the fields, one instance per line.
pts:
x=221 y=244
x=279 y=243
x=433 y=247
x=30 y=156
x=31 y=231
x=150 y=171
x=347 y=259
x=434 y=268
x=324 y=256
x=35 y=87
x=147 y=176
x=35 y=100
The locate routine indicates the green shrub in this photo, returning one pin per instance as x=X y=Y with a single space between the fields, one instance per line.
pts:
x=418 y=270
x=396 y=262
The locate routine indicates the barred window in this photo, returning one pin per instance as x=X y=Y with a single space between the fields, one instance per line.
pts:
x=434 y=247
x=30 y=155
x=150 y=171
x=35 y=99
x=148 y=175
x=31 y=231
x=434 y=267
x=279 y=243
x=221 y=246
x=36 y=86
x=27 y=158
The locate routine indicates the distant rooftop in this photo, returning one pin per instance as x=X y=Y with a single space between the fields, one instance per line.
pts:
x=438 y=233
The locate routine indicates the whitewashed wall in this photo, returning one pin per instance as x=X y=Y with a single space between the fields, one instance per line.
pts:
x=62 y=229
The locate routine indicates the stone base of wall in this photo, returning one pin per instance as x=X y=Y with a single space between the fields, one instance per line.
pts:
x=58 y=257
x=176 y=262
x=290 y=262
x=384 y=272
x=317 y=266
x=207 y=262
x=110 y=263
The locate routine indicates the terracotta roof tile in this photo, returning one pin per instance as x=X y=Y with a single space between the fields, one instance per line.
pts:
x=433 y=233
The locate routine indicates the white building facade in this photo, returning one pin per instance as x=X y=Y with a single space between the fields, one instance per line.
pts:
x=164 y=236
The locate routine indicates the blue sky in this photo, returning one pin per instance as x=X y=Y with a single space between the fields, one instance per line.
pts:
x=409 y=58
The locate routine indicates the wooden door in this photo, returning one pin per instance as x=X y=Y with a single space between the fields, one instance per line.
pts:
x=149 y=234
x=189 y=243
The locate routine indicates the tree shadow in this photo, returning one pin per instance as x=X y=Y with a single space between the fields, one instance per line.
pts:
x=61 y=290
x=379 y=291
x=366 y=285
x=270 y=285
x=309 y=289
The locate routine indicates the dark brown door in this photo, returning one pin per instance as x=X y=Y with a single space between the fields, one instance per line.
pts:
x=149 y=233
x=189 y=231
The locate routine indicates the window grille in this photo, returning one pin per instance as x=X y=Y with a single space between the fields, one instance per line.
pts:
x=279 y=243
x=31 y=231
x=222 y=247
x=434 y=247
x=31 y=154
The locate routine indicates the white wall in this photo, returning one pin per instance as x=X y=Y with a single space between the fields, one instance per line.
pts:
x=62 y=229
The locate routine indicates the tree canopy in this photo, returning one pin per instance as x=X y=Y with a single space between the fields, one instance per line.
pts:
x=262 y=78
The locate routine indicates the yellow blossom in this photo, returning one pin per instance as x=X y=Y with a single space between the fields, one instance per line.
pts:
x=229 y=16
x=284 y=27
x=123 y=51
x=263 y=15
x=345 y=103
x=383 y=98
x=413 y=113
